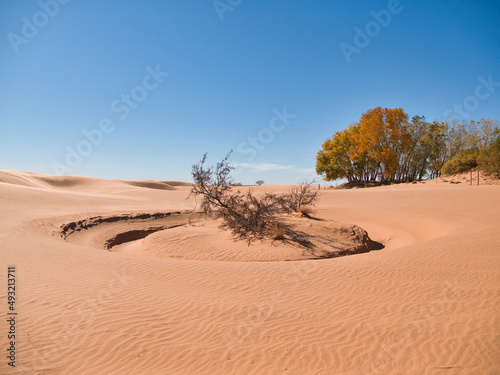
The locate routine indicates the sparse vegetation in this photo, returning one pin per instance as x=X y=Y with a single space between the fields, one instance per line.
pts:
x=306 y=211
x=298 y=196
x=277 y=231
x=246 y=215
x=249 y=216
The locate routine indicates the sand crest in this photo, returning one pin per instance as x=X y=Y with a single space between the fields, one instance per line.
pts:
x=305 y=239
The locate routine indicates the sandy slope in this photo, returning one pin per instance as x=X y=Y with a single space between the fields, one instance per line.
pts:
x=428 y=303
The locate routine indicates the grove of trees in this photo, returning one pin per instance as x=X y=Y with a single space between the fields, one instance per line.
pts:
x=385 y=145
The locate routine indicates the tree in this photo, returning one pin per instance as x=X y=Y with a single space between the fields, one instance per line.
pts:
x=489 y=157
x=382 y=134
x=468 y=146
x=362 y=152
x=259 y=182
x=334 y=161
x=385 y=146
x=488 y=132
x=367 y=150
x=435 y=141
x=413 y=158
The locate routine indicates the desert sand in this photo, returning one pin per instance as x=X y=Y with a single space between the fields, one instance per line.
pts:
x=190 y=300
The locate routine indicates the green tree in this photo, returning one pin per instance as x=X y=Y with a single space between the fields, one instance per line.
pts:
x=462 y=162
x=489 y=157
x=436 y=142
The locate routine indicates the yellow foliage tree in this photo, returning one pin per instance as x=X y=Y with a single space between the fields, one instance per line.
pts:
x=384 y=145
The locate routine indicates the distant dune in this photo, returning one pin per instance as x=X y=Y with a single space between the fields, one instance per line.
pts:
x=124 y=277
x=40 y=180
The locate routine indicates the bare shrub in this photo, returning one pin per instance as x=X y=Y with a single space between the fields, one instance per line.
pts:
x=247 y=216
x=298 y=196
x=213 y=185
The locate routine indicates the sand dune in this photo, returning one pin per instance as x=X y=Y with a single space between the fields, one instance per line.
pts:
x=427 y=303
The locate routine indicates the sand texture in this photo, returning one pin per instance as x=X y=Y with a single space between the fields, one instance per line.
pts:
x=123 y=277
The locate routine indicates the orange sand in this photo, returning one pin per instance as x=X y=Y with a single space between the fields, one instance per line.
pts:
x=428 y=303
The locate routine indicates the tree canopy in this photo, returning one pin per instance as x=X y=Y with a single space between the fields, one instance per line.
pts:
x=385 y=145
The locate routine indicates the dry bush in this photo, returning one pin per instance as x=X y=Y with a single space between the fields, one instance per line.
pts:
x=277 y=231
x=306 y=211
x=213 y=185
x=247 y=216
x=298 y=196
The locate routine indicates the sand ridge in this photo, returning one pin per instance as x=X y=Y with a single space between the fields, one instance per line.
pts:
x=305 y=238
x=425 y=304
x=192 y=235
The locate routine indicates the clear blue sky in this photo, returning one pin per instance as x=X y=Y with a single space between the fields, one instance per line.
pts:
x=69 y=67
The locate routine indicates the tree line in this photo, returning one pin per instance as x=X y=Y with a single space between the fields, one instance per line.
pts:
x=386 y=146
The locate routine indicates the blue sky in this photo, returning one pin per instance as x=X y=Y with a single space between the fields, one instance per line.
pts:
x=141 y=90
